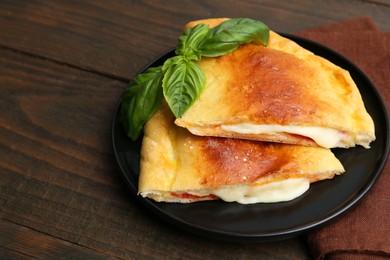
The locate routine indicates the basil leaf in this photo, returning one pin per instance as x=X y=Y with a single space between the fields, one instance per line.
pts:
x=229 y=35
x=141 y=100
x=182 y=84
x=190 y=40
x=171 y=61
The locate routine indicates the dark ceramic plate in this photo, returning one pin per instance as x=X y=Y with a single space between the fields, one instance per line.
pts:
x=264 y=222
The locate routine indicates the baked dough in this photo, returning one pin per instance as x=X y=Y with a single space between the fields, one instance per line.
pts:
x=177 y=166
x=279 y=93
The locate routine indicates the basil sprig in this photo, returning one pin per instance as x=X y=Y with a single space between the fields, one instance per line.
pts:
x=180 y=80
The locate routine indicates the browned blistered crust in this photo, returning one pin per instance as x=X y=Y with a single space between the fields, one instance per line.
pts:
x=174 y=160
x=281 y=84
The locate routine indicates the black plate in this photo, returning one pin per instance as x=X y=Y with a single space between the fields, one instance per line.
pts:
x=264 y=222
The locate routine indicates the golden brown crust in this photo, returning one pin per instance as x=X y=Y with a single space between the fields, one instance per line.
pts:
x=234 y=161
x=281 y=84
x=173 y=160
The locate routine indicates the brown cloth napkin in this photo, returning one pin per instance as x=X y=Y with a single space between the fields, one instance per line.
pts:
x=364 y=231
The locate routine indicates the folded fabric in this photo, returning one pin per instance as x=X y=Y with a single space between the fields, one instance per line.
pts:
x=364 y=231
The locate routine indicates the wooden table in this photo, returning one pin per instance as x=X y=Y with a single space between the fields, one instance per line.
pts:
x=63 y=66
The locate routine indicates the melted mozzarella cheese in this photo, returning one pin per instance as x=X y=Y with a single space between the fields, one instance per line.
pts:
x=285 y=190
x=324 y=137
x=278 y=191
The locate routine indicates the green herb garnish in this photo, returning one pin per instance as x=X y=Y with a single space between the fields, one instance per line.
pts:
x=141 y=100
x=180 y=80
x=230 y=34
x=182 y=84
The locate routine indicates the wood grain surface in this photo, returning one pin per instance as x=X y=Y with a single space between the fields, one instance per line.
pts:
x=63 y=66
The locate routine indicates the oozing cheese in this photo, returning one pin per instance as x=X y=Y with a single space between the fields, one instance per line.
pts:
x=279 y=191
x=285 y=190
x=324 y=137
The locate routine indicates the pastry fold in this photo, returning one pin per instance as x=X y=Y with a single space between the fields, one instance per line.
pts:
x=280 y=93
x=177 y=166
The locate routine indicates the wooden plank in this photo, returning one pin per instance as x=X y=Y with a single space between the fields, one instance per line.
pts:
x=379 y=2
x=118 y=38
x=60 y=131
x=58 y=174
x=17 y=242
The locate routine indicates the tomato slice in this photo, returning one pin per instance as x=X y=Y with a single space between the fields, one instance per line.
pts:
x=186 y=195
